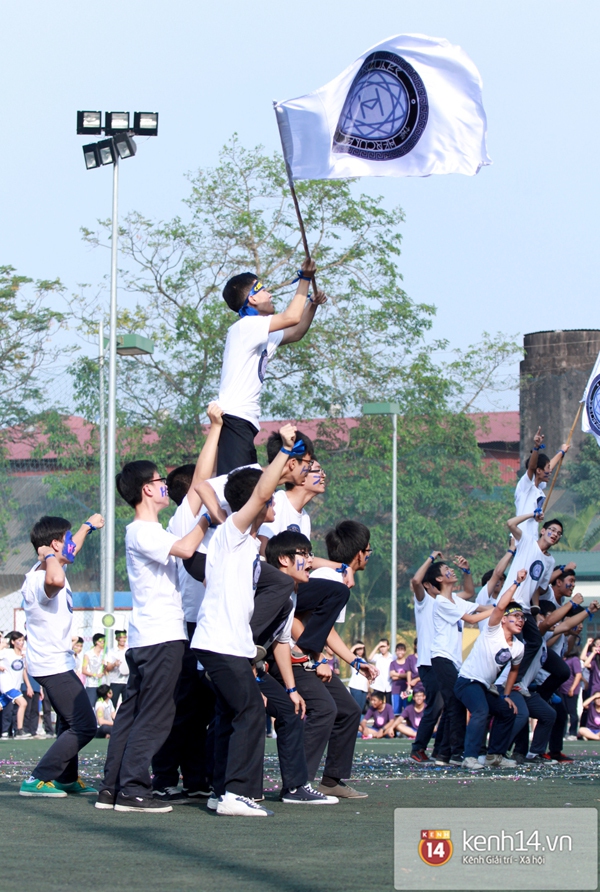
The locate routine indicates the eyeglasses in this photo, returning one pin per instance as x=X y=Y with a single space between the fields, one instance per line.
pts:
x=304 y=554
x=308 y=461
x=158 y=480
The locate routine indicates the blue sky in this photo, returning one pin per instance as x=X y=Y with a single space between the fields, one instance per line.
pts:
x=512 y=249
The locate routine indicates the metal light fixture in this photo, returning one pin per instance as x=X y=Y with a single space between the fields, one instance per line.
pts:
x=145 y=123
x=89 y=122
x=106 y=148
x=116 y=122
x=91 y=156
x=125 y=145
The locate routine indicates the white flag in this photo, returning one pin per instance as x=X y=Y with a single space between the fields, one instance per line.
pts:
x=590 y=417
x=409 y=106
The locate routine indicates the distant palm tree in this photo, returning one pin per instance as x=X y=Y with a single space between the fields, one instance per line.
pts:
x=582 y=532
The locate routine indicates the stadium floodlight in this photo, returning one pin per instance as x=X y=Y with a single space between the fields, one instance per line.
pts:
x=125 y=145
x=145 y=123
x=116 y=122
x=89 y=122
x=108 y=155
x=393 y=409
x=91 y=155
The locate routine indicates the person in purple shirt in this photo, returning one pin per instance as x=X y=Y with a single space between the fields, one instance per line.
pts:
x=591 y=730
x=413 y=679
x=382 y=715
x=398 y=676
x=591 y=660
x=408 y=723
x=569 y=692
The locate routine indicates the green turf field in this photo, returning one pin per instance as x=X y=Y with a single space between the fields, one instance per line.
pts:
x=68 y=844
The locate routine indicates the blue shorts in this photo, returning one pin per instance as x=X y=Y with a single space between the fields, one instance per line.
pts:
x=8 y=697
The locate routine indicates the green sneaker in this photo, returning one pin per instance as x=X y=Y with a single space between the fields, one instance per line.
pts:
x=35 y=787
x=78 y=786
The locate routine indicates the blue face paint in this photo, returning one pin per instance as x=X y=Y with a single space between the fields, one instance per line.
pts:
x=163 y=491
x=69 y=547
x=300 y=563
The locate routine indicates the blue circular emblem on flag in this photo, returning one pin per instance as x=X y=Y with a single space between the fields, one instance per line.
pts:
x=503 y=656
x=536 y=570
x=385 y=112
x=592 y=405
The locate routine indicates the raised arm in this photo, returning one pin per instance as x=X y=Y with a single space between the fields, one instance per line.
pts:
x=292 y=315
x=513 y=523
x=533 y=458
x=416 y=583
x=501 y=566
x=268 y=481
x=207 y=460
x=54 y=565
x=559 y=614
x=572 y=621
x=96 y=521
x=560 y=454
x=297 y=332
x=498 y=611
x=468 y=589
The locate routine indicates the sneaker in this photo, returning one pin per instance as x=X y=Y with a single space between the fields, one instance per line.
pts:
x=307 y=795
x=482 y=760
x=260 y=655
x=170 y=794
x=199 y=793
x=421 y=757
x=78 y=786
x=538 y=759
x=4 y=735
x=141 y=803
x=36 y=787
x=472 y=764
x=499 y=761
x=443 y=763
x=521 y=689
x=213 y=801
x=22 y=734
x=571 y=737
x=106 y=800
x=299 y=658
x=342 y=791
x=519 y=758
x=457 y=761
x=234 y=806
x=561 y=757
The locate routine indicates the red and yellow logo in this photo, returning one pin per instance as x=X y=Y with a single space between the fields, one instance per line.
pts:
x=435 y=847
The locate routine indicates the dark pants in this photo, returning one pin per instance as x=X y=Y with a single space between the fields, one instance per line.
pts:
x=433 y=707
x=118 y=691
x=145 y=717
x=545 y=715
x=8 y=717
x=481 y=704
x=92 y=694
x=532 y=638
x=290 y=733
x=557 y=735
x=324 y=599
x=453 y=740
x=75 y=727
x=332 y=721
x=559 y=673
x=31 y=722
x=570 y=704
x=236 y=444
x=272 y=603
x=240 y=726
x=47 y=715
x=185 y=747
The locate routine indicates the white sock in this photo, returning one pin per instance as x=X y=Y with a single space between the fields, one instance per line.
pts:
x=32 y=779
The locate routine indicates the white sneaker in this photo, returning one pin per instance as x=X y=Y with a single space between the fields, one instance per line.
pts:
x=472 y=764
x=482 y=760
x=499 y=761
x=213 y=801
x=522 y=689
x=241 y=807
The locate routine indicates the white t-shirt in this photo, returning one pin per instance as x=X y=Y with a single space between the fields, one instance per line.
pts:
x=528 y=497
x=383 y=682
x=484 y=599
x=490 y=654
x=120 y=674
x=156 y=615
x=332 y=574
x=12 y=677
x=286 y=518
x=94 y=663
x=248 y=349
x=190 y=589
x=447 y=627
x=539 y=568
x=359 y=682
x=105 y=711
x=424 y=624
x=218 y=484
x=232 y=573
x=49 y=622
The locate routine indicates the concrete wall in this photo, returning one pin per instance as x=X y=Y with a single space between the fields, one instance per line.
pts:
x=554 y=374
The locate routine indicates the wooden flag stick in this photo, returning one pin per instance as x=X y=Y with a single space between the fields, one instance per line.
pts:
x=560 y=461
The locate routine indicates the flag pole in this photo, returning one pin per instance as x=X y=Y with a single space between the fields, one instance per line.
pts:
x=560 y=461
x=295 y=199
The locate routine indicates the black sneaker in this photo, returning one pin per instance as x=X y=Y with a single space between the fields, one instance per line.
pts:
x=307 y=795
x=456 y=761
x=421 y=757
x=106 y=799
x=171 y=794
x=141 y=803
x=201 y=793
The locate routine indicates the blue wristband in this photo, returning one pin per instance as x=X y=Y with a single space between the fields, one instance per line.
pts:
x=86 y=523
x=297 y=449
x=510 y=551
x=341 y=569
x=468 y=572
x=291 y=690
x=516 y=583
x=589 y=612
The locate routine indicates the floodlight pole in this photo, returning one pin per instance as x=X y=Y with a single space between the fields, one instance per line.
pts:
x=109 y=602
x=102 y=439
x=394 y=567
